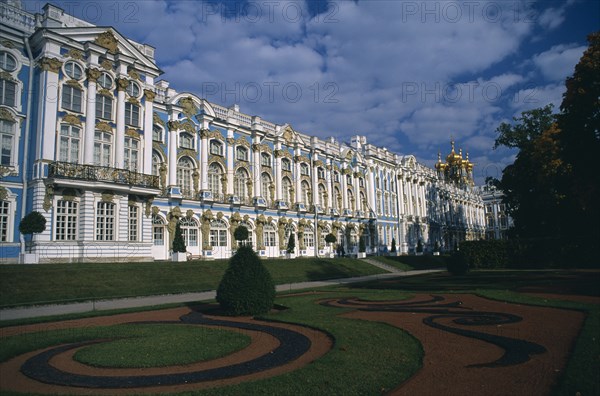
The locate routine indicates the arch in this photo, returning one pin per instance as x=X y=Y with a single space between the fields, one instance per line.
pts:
x=286 y=185
x=265 y=185
x=305 y=192
x=189 y=229
x=185 y=169
x=215 y=174
x=240 y=179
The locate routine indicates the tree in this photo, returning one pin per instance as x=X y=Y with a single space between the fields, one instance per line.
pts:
x=330 y=238
x=579 y=141
x=361 y=245
x=247 y=287
x=393 y=245
x=291 y=246
x=32 y=223
x=419 y=246
x=241 y=234
x=178 y=242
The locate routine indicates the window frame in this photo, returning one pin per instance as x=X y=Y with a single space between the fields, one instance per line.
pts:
x=68 y=99
x=104 y=231
x=69 y=139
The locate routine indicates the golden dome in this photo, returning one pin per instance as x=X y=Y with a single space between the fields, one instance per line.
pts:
x=453 y=157
x=439 y=165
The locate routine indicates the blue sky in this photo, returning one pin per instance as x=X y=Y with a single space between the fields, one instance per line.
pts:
x=408 y=75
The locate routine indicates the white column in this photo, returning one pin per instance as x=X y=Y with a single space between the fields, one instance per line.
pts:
x=120 y=136
x=371 y=186
x=344 y=189
x=298 y=175
x=329 y=185
x=315 y=181
x=173 y=126
x=256 y=166
x=49 y=104
x=90 y=117
x=278 y=176
x=204 y=160
x=230 y=158
x=148 y=128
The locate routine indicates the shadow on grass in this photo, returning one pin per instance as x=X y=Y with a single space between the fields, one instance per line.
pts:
x=584 y=283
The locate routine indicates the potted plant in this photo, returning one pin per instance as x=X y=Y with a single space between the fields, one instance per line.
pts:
x=291 y=246
x=436 y=248
x=419 y=249
x=330 y=238
x=393 y=251
x=33 y=223
x=362 y=248
x=179 y=248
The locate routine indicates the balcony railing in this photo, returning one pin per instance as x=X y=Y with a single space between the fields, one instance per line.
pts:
x=66 y=170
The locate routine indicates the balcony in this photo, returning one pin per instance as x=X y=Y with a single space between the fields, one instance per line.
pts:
x=93 y=173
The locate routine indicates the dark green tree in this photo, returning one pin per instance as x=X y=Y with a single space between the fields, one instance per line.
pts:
x=579 y=141
x=178 y=242
x=393 y=245
x=361 y=245
x=247 y=287
x=291 y=246
x=32 y=223
x=419 y=246
x=330 y=238
x=241 y=234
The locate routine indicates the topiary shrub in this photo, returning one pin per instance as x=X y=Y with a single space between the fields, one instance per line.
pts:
x=241 y=234
x=330 y=238
x=458 y=263
x=178 y=242
x=291 y=244
x=419 y=246
x=32 y=223
x=361 y=245
x=247 y=287
x=393 y=245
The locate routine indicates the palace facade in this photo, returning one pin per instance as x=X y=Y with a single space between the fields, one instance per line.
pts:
x=114 y=158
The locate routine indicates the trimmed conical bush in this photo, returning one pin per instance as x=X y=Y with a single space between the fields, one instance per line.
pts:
x=247 y=287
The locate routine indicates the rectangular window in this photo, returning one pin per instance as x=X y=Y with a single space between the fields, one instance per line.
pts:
x=158 y=235
x=8 y=93
x=71 y=98
x=133 y=223
x=131 y=154
x=132 y=114
x=270 y=238
x=102 y=148
x=6 y=142
x=190 y=236
x=69 y=144
x=66 y=220
x=218 y=237
x=4 y=220
x=309 y=239
x=104 y=107
x=105 y=221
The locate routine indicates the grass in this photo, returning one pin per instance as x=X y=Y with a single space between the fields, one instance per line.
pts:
x=161 y=345
x=56 y=283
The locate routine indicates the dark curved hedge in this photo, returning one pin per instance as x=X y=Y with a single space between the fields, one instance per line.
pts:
x=247 y=287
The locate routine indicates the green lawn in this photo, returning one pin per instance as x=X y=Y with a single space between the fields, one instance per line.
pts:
x=53 y=283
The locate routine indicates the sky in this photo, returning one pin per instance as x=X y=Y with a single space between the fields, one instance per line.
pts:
x=409 y=75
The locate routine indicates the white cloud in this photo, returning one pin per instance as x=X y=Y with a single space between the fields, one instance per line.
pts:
x=559 y=62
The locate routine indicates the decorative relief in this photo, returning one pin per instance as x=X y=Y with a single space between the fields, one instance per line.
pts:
x=173 y=125
x=302 y=158
x=6 y=115
x=188 y=106
x=103 y=126
x=133 y=100
x=187 y=126
x=48 y=195
x=131 y=132
x=230 y=141
x=107 y=196
x=6 y=76
x=109 y=41
x=134 y=74
x=318 y=163
x=266 y=148
x=106 y=64
x=3 y=193
x=75 y=54
x=50 y=64
x=207 y=133
x=8 y=44
x=157 y=120
x=172 y=219
x=149 y=95
x=157 y=146
x=74 y=84
x=93 y=74
x=189 y=213
x=242 y=141
x=286 y=173
x=122 y=84
x=215 y=158
x=196 y=180
x=346 y=171
x=104 y=92
x=148 y=206
x=186 y=153
x=72 y=119
x=155 y=210
x=241 y=165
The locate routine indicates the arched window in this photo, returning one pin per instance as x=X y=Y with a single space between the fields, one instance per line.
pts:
x=265 y=182
x=286 y=185
x=133 y=89
x=304 y=169
x=186 y=140
x=363 y=201
x=185 y=168
x=239 y=183
x=189 y=229
x=105 y=81
x=156 y=161
x=241 y=153
x=321 y=173
x=7 y=62
x=350 y=198
x=214 y=179
x=218 y=233
x=70 y=141
x=336 y=201
x=286 y=164
x=336 y=177
x=361 y=182
x=158 y=231
x=216 y=148
x=305 y=192
x=102 y=148
x=349 y=180
x=269 y=235
x=322 y=194
x=265 y=159
x=309 y=237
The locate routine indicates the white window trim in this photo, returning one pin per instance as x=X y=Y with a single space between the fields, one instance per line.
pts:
x=10 y=229
x=15 y=165
x=54 y=220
